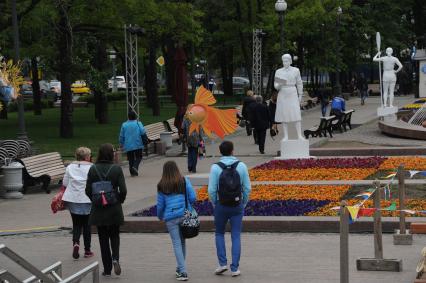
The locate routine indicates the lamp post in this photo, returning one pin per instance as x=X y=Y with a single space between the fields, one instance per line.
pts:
x=280 y=8
x=337 y=86
x=112 y=55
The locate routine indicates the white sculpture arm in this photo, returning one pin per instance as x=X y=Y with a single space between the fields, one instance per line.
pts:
x=377 y=57
x=277 y=86
x=397 y=62
x=299 y=85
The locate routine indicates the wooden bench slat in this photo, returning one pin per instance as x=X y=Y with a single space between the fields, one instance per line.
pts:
x=44 y=162
x=42 y=171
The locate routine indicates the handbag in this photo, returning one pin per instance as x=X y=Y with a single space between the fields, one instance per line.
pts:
x=57 y=203
x=144 y=137
x=242 y=123
x=273 y=132
x=103 y=193
x=190 y=226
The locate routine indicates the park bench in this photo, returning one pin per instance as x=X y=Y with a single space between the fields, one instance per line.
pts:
x=374 y=88
x=153 y=132
x=42 y=168
x=344 y=120
x=170 y=127
x=321 y=129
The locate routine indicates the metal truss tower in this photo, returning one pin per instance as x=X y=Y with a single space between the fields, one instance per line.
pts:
x=132 y=68
x=257 y=61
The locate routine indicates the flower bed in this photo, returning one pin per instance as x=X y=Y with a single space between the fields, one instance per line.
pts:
x=311 y=200
x=311 y=174
x=410 y=163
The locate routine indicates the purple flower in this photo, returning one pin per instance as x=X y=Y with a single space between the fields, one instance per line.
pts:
x=256 y=208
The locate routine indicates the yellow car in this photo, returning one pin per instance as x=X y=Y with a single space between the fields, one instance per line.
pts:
x=80 y=88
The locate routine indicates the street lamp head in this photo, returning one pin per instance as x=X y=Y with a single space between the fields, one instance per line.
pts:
x=112 y=54
x=339 y=10
x=280 y=6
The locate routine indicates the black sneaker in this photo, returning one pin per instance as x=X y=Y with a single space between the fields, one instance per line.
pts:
x=106 y=274
x=181 y=276
x=117 y=267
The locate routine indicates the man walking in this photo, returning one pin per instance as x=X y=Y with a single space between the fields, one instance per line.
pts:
x=131 y=142
x=245 y=111
x=229 y=190
x=362 y=87
x=261 y=122
x=192 y=141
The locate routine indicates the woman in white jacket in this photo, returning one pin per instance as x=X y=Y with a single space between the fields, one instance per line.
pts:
x=77 y=201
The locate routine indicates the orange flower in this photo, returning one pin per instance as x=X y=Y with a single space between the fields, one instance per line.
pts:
x=410 y=163
x=311 y=174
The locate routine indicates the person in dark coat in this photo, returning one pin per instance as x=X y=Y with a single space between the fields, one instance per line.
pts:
x=324 y=98
x=247 y=102
x=362 y=88
x=272 y=107
x=261 y=122
x=108 y=218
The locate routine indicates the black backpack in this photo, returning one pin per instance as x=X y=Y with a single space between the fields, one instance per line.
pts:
x=229 y=187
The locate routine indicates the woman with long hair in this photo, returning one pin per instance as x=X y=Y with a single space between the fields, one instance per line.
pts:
x=107 y=217
x=170 y=208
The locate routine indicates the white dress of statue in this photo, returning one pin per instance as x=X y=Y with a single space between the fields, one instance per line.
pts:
x=389 y=74
x=290 y=90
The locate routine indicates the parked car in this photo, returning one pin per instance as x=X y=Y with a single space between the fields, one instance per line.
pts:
x=54 y=89
x=26 y=90
x=240 y=82
x=120 y=81
x=80 y=88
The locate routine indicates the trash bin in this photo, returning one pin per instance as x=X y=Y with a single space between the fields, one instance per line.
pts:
x=166 y=137
x=12 y=180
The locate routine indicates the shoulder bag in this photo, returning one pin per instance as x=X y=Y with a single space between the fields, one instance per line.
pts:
x=190 y=226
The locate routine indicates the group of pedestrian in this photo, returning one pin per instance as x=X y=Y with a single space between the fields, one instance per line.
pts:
x=229 y=189
x=259 y=117
x=94 y=195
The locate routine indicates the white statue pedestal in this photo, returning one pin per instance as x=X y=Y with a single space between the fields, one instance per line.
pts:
x=385 y=111
x=294 y=149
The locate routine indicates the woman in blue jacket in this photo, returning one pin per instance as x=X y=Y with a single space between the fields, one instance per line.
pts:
x=171 y=207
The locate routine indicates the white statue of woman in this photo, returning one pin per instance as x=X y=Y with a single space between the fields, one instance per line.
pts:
x=389 y=74
x=290 y=90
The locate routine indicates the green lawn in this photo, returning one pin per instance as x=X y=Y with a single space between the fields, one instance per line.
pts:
x=44 y=130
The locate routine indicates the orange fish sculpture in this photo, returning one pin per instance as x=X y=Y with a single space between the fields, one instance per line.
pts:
x=212 y=120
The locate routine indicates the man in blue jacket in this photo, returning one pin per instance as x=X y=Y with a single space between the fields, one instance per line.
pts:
x=131 y=141
x=223 y=213
x=337 y=106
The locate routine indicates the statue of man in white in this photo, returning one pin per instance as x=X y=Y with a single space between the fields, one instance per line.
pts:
x=389 y=74
x=290 y=90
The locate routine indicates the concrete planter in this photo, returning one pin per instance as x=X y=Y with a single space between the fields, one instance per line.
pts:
x=166 y=137
x=12 y=181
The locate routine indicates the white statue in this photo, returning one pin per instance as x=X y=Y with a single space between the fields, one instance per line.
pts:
x=389 y=74
x=290 y=90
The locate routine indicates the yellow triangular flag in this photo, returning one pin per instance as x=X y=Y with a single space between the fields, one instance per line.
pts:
x=353 y=211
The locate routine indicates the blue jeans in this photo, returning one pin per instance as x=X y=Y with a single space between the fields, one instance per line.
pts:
x=178 y=243
x=192 y=158
x=221 y=216
x=324 y=109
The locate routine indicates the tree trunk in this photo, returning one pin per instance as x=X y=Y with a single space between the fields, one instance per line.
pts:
x=169 y=54
x=151 y=79
x=227 y=69
x=36 y=87
x=64 y=45
x=3 y=111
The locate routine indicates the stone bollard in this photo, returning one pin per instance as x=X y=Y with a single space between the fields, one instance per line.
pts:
x=402 y=235
x=12 y=180
x=160 y=147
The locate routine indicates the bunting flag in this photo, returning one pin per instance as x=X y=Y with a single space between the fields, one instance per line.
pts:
x=353 y=212
x=409 y=211
x=366 y=212
x=422 y=173
x=390 y=175
x=392 y=207
x=413 y=172
x=364 y=195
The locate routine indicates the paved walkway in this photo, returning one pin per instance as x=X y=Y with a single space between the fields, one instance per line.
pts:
x=284 y=258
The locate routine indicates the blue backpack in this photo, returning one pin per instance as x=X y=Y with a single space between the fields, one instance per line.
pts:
x=229 y=188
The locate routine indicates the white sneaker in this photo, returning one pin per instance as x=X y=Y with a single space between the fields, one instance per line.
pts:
x=236 y=273
x=220 y=270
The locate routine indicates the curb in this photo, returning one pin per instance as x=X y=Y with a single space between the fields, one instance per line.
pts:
x=275 y=224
